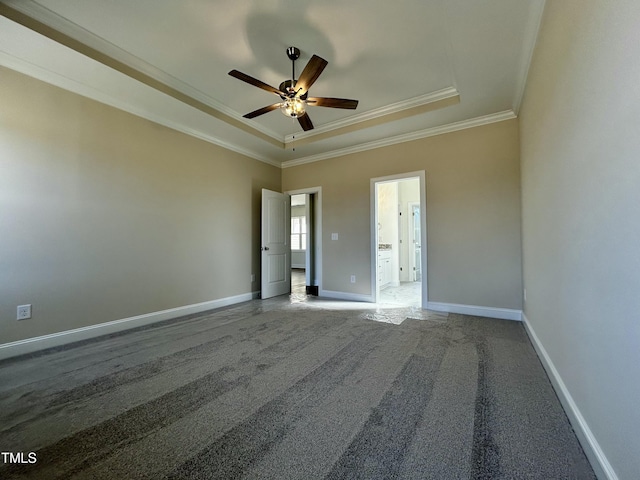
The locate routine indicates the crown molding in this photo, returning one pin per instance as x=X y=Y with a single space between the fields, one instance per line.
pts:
x=112 y=56
x=377 y=113
x=536 y=10
x=407 y=137
x=47 y=76
x=82 y=89
x=70 y=35
x=61 y=30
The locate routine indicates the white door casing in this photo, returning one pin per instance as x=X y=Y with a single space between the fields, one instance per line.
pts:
x=275 y=247
x=420 y=175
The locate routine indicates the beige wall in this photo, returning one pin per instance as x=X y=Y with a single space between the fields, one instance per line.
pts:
x=105 y=215
x=580 y=143
x=473 y=213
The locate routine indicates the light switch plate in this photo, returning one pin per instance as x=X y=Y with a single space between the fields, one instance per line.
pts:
x=334 y=236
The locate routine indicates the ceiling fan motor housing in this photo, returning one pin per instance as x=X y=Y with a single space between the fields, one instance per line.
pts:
x=288 y=86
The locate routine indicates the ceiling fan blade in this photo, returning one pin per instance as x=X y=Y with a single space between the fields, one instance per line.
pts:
x=262 y=111
x=332 y=102
x=255 y=82
x=310 y=74
x=305 y=122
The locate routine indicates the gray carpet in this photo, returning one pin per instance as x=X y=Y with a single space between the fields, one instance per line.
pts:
x=282 y=389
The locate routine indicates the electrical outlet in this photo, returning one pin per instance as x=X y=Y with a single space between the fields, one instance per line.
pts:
x=253 y=277
x=353 y=279
x=334 y=236
x=24 y=312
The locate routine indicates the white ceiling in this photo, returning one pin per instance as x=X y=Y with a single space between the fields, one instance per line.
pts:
x=468 y=59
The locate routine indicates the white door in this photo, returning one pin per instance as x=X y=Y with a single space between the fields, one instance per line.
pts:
x=416 y=237
x=276 y=250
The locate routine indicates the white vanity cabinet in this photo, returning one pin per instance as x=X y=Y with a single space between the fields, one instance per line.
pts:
x=384 y=268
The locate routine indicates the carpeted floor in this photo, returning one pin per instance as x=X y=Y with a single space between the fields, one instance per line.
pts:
x=291 y=389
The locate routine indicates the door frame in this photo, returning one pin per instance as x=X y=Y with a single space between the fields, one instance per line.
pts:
x=317 y=234
x=420 y=175
x=412 y=257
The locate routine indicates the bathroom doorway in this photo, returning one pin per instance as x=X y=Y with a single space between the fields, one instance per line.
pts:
x=399 y=240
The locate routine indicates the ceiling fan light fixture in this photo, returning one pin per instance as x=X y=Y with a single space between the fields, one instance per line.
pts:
x=293 y=107
x=294 y=93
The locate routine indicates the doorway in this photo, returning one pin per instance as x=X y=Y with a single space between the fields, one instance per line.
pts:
x=398 y=240
x=299 y=236
x=306 y=248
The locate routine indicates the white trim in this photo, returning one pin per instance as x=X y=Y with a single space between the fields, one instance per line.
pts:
x=30 y=345
x=390 y=109
x=407 y=137
x=79 y=88
x=536 y=9
x=298 y=265
x=478 y=311
x=590 y=445
x=351 y=297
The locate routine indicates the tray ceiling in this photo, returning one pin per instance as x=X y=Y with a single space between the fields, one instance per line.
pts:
x=417 y=67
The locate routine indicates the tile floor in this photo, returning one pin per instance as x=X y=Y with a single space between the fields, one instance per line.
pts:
x=395 y=304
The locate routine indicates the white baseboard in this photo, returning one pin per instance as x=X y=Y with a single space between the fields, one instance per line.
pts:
x=590 y=445
x=502 y=313
x=30 y=345
x=352 y=297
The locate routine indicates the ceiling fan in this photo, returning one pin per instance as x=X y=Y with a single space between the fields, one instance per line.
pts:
x=295 y=93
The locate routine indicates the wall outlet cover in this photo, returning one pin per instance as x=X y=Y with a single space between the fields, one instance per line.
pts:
x=24 y=312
